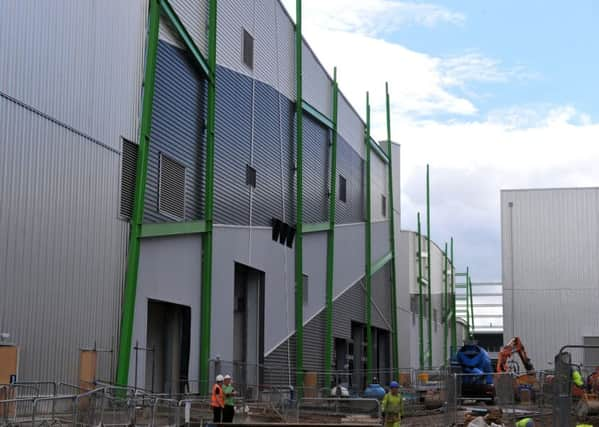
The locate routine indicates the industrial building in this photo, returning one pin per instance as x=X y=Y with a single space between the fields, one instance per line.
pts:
x=550 y=244
x=180 y=196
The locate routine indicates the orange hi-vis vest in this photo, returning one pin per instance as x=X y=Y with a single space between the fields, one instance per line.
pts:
x=218 y=397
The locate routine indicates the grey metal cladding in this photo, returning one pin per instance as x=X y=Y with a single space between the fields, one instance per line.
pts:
x=279 y=365
x=63 y=246
x=232 y=146
x=351 y=126
x=194 y=15
x=381 y=243
x=314 y=336
x=381 y=298
x=316 y=186
x=349 y=306
x=272 y=156
x=351 y=166
x=317 y=87
x=177 y=129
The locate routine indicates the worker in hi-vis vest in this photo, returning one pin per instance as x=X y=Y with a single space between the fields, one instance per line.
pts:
x=392 y=406
x=525 y=422
x=217 y=402
x=577 y=378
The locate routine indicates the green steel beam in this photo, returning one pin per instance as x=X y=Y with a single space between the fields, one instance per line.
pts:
x=299 y=192
x=420 y=301
x=378 y=150
x=172 y=229
x=368 y=243
x=316 y=114
x=187 y=40
x=380 y=263
x=445 y=305
x=315 y=228
x=128 y=314
x=454 y=329
x=394 y=323
x=206 y=290
x=328 y=346
x=428 y=269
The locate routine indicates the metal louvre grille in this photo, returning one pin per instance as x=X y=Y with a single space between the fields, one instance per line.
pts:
x=128 y=172
x=171 y=193
x=248 y=49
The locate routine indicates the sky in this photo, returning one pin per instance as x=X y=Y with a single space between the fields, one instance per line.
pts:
x=494 y=94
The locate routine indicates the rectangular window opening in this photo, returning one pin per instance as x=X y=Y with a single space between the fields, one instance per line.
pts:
x=248 y=49
x=171 y=188
x=250 y=176
x=128 y=176
x=305 y=285
x=383 y=205
x=342 y=189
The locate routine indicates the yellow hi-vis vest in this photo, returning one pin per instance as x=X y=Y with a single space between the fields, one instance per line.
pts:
x=525 y=422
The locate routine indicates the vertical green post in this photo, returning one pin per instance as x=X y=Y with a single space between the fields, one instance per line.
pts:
x=299 y=214
x=445 y=310
x=467 y=303
x=394 y=325
x=206 y=291
x=454 y=317
x=124 y=352
x=328 y=346
x=368 y=243
x=471 y=306
x=428 y=270
x=420 y=301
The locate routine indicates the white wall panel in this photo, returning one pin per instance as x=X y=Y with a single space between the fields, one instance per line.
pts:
x=317 y=86
x=233 y=17
x=350 y=126
x=349 y=256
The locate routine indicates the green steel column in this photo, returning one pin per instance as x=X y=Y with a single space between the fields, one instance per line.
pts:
x=471 y=306
x=124 y=352
x=394 y=325
x=428 y=270
x=420 y=302
x=445 y=310
x=299 y=215
x=467 y=304
x=206 y=291
x=368 y=244
x=328 y=346
x=454 y=317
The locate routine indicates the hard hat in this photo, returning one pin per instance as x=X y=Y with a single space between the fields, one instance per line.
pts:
x=219 y=378
x=394 y=384
x=227 y=377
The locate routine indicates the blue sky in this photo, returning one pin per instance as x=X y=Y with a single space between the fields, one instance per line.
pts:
x=492 y=94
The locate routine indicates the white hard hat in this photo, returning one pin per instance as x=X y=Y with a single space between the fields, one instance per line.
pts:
x=219 y=378
x=227 y=377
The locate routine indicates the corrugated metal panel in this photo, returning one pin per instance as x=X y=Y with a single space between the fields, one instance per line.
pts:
x=351 y=166
x=349 y=306
x=317 y=86
x=285 y=50
x=280 y=364
x=63 y=250
x=381 y=298
x=381 y=243
x=550 y=244
x=316 y=175
x=232 y=147
x=194 y=16
x=314 y=337
x=78 y=62
x=351 y=126
x=349 y=256
x=315 y=267
x=177 y=130
x=233 y=17
x=379 y=183
x=266 y=43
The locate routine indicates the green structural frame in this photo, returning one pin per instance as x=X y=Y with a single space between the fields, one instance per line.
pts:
x=139 y=230
x=368 y=241
x=299 y=214
x=454 y=329
x=428 y=270
x=420 y=299
x=328 y=346
x=394 y=323
x=446 y=310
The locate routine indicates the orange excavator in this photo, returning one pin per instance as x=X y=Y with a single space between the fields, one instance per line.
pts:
x=517 y=366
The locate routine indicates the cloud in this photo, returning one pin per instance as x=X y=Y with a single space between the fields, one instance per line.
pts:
x=373 y=17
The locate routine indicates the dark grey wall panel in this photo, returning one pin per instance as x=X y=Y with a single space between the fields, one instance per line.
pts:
x=350 y=306
x=279 y=365
x=381 y=297
x=232 y=147
x=177 y=129
x=316 y=176
x=351 y=166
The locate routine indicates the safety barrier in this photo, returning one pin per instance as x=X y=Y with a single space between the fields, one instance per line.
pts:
x=338 y=410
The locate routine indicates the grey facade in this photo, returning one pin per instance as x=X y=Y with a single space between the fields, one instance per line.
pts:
x=550 y=243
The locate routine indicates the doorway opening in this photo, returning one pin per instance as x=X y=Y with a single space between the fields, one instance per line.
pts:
x=167 y=349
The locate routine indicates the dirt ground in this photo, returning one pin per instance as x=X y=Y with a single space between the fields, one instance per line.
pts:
x=439 y=421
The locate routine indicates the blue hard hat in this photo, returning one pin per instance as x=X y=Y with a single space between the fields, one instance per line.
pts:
x=394 y=384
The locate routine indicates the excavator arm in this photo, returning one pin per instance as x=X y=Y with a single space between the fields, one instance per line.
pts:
x=506 y=354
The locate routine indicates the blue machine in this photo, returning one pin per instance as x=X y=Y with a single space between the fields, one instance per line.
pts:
x=475 y=360
x=374 y=391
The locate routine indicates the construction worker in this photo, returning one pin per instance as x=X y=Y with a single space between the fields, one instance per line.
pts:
x=525 y=422
x=577 y=378
x=217 y=402
x=229 y=408
x=392 y=406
